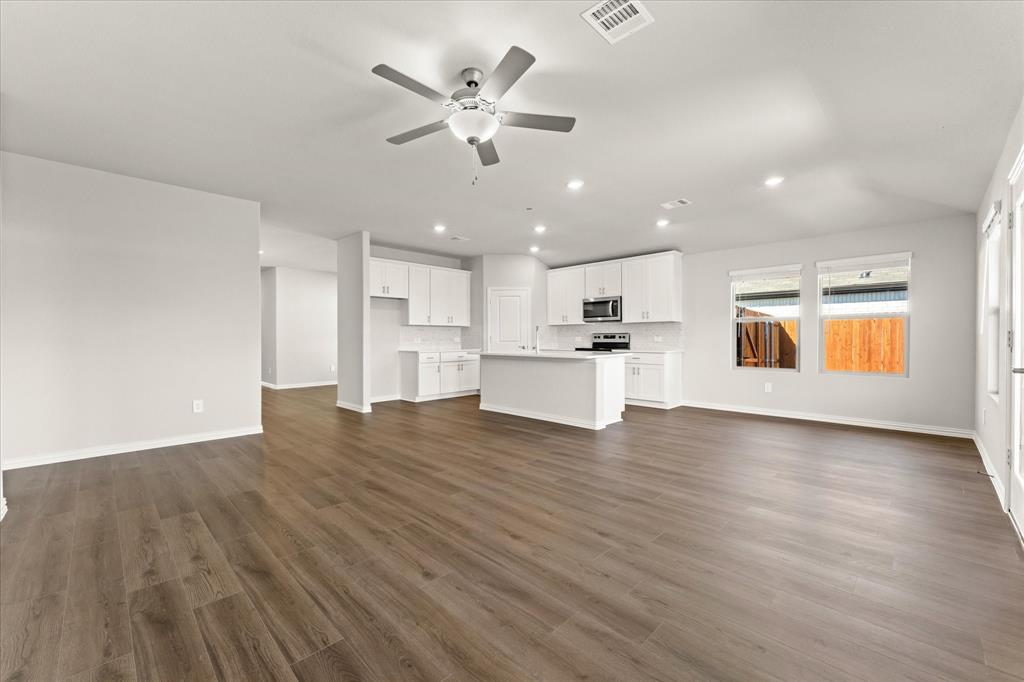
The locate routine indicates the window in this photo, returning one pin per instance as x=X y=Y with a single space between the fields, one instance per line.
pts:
x=766 y=317
x=989 y=306
x=865 y=314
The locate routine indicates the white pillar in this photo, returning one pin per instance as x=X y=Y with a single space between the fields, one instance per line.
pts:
x=354 y=322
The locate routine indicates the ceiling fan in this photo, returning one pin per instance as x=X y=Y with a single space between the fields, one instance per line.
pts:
x=473 y=116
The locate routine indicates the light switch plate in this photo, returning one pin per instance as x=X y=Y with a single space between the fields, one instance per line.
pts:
x=197 y=406
x=767 y=387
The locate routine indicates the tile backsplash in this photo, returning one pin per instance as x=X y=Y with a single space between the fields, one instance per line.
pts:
x=643 y=335
x=430 y=337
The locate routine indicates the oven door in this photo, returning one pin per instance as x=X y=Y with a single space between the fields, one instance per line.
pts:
x=602 y=309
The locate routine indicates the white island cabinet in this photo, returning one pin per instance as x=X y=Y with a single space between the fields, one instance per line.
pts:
x=582 y=389
x=432 y=375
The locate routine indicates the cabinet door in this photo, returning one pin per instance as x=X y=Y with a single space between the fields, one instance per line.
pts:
x=429 y=379
x=556 y=297
x=378 y=278
x=661 y=289
x=594 y=280
x=650 y=383
x=574 y=290
x=470 y=376
x=450 y=377
x=440 y=308
x=611 y=274
x=634 y=290
x=459 y=298
x=632 y=388
x=396 y=279
x=419 y=295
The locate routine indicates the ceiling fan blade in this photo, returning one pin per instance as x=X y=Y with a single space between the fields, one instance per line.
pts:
x=558 y=124
x=410 y=135
x=488 y=154
x=511 y=68
x=399 y=78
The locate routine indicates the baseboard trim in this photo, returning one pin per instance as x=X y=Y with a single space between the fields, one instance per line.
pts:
x=120 y=448
x=650 y=403
x=835 y=419
x=993 y=474
x=355 y=408
x=568 y=421
x=310 y=384
x=439 y=396
x=385 y=398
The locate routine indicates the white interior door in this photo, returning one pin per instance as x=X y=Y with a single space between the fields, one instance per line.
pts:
x=508 y=320
x=1015 y=486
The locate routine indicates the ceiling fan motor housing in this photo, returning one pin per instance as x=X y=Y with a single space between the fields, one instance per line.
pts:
x=472 y=77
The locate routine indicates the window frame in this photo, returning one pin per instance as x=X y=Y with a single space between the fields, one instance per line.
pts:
x=779 y=271
x=992 y=232
x=852 y=265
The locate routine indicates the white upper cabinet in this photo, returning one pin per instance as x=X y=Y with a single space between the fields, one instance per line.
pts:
x=419 y=295
x=388 y=278
x=652 y=288
x=604 y=279
x=566 y=291
x=449 y=297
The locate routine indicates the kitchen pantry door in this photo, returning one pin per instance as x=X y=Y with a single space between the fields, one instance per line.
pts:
x=508 y=320
x=1015 y=485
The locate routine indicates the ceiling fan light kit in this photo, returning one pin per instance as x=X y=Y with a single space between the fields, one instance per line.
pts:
x=473 y=116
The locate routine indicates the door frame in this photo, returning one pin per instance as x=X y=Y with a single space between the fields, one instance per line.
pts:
x=528 y=296
x=1014 y=492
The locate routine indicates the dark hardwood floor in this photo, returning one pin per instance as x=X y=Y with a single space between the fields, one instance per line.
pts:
x=437 y=542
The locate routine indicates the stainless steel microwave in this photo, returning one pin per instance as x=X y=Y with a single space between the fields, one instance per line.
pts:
x=607 y=309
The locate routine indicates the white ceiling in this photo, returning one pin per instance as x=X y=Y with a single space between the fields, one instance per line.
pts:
x=876 y=113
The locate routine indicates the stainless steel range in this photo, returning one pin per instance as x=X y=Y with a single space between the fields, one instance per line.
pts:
x=608 y=342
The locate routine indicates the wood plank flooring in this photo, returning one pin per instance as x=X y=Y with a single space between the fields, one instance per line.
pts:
x=433 y=541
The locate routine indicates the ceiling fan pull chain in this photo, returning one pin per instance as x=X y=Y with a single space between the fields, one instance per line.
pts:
x=472 y=154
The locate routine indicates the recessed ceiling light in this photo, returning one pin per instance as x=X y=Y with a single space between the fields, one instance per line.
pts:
x=774 y=181
x=540 y=229
x=575 y=183
x=534 y=249
x=662 y=223
x=439 y=228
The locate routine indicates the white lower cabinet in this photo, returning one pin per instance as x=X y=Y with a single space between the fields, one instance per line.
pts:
x=655 y=379
x=434 y=375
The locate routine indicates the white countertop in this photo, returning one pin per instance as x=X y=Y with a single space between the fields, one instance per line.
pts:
x=614 y=352
x=438 y=350
x=555 y=355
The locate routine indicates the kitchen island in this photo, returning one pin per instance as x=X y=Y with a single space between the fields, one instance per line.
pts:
x=583 y=389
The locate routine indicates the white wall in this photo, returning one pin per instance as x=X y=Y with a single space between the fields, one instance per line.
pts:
x=305 y=326
x=939 y=392
x=354 y=322
x=378 y=251
x=991 y=416
x=268 y=325
x=123 y=300
x=386 y=316
x=502 y=270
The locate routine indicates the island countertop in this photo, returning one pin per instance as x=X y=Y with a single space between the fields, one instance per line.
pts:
x=554 y=355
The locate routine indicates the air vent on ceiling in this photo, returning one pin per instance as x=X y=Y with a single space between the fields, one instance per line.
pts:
x=669 y=205
x=616 y=19
x=458 y=238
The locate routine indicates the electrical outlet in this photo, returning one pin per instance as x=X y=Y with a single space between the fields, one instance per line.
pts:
x=984 y=415
x=197 y=406
x=767 y=387
x=332 y=369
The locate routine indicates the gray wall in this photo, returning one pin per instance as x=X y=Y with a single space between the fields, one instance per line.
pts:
x=940 y=389
x=123 y=300
x=305 y=329
x=268 y=325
